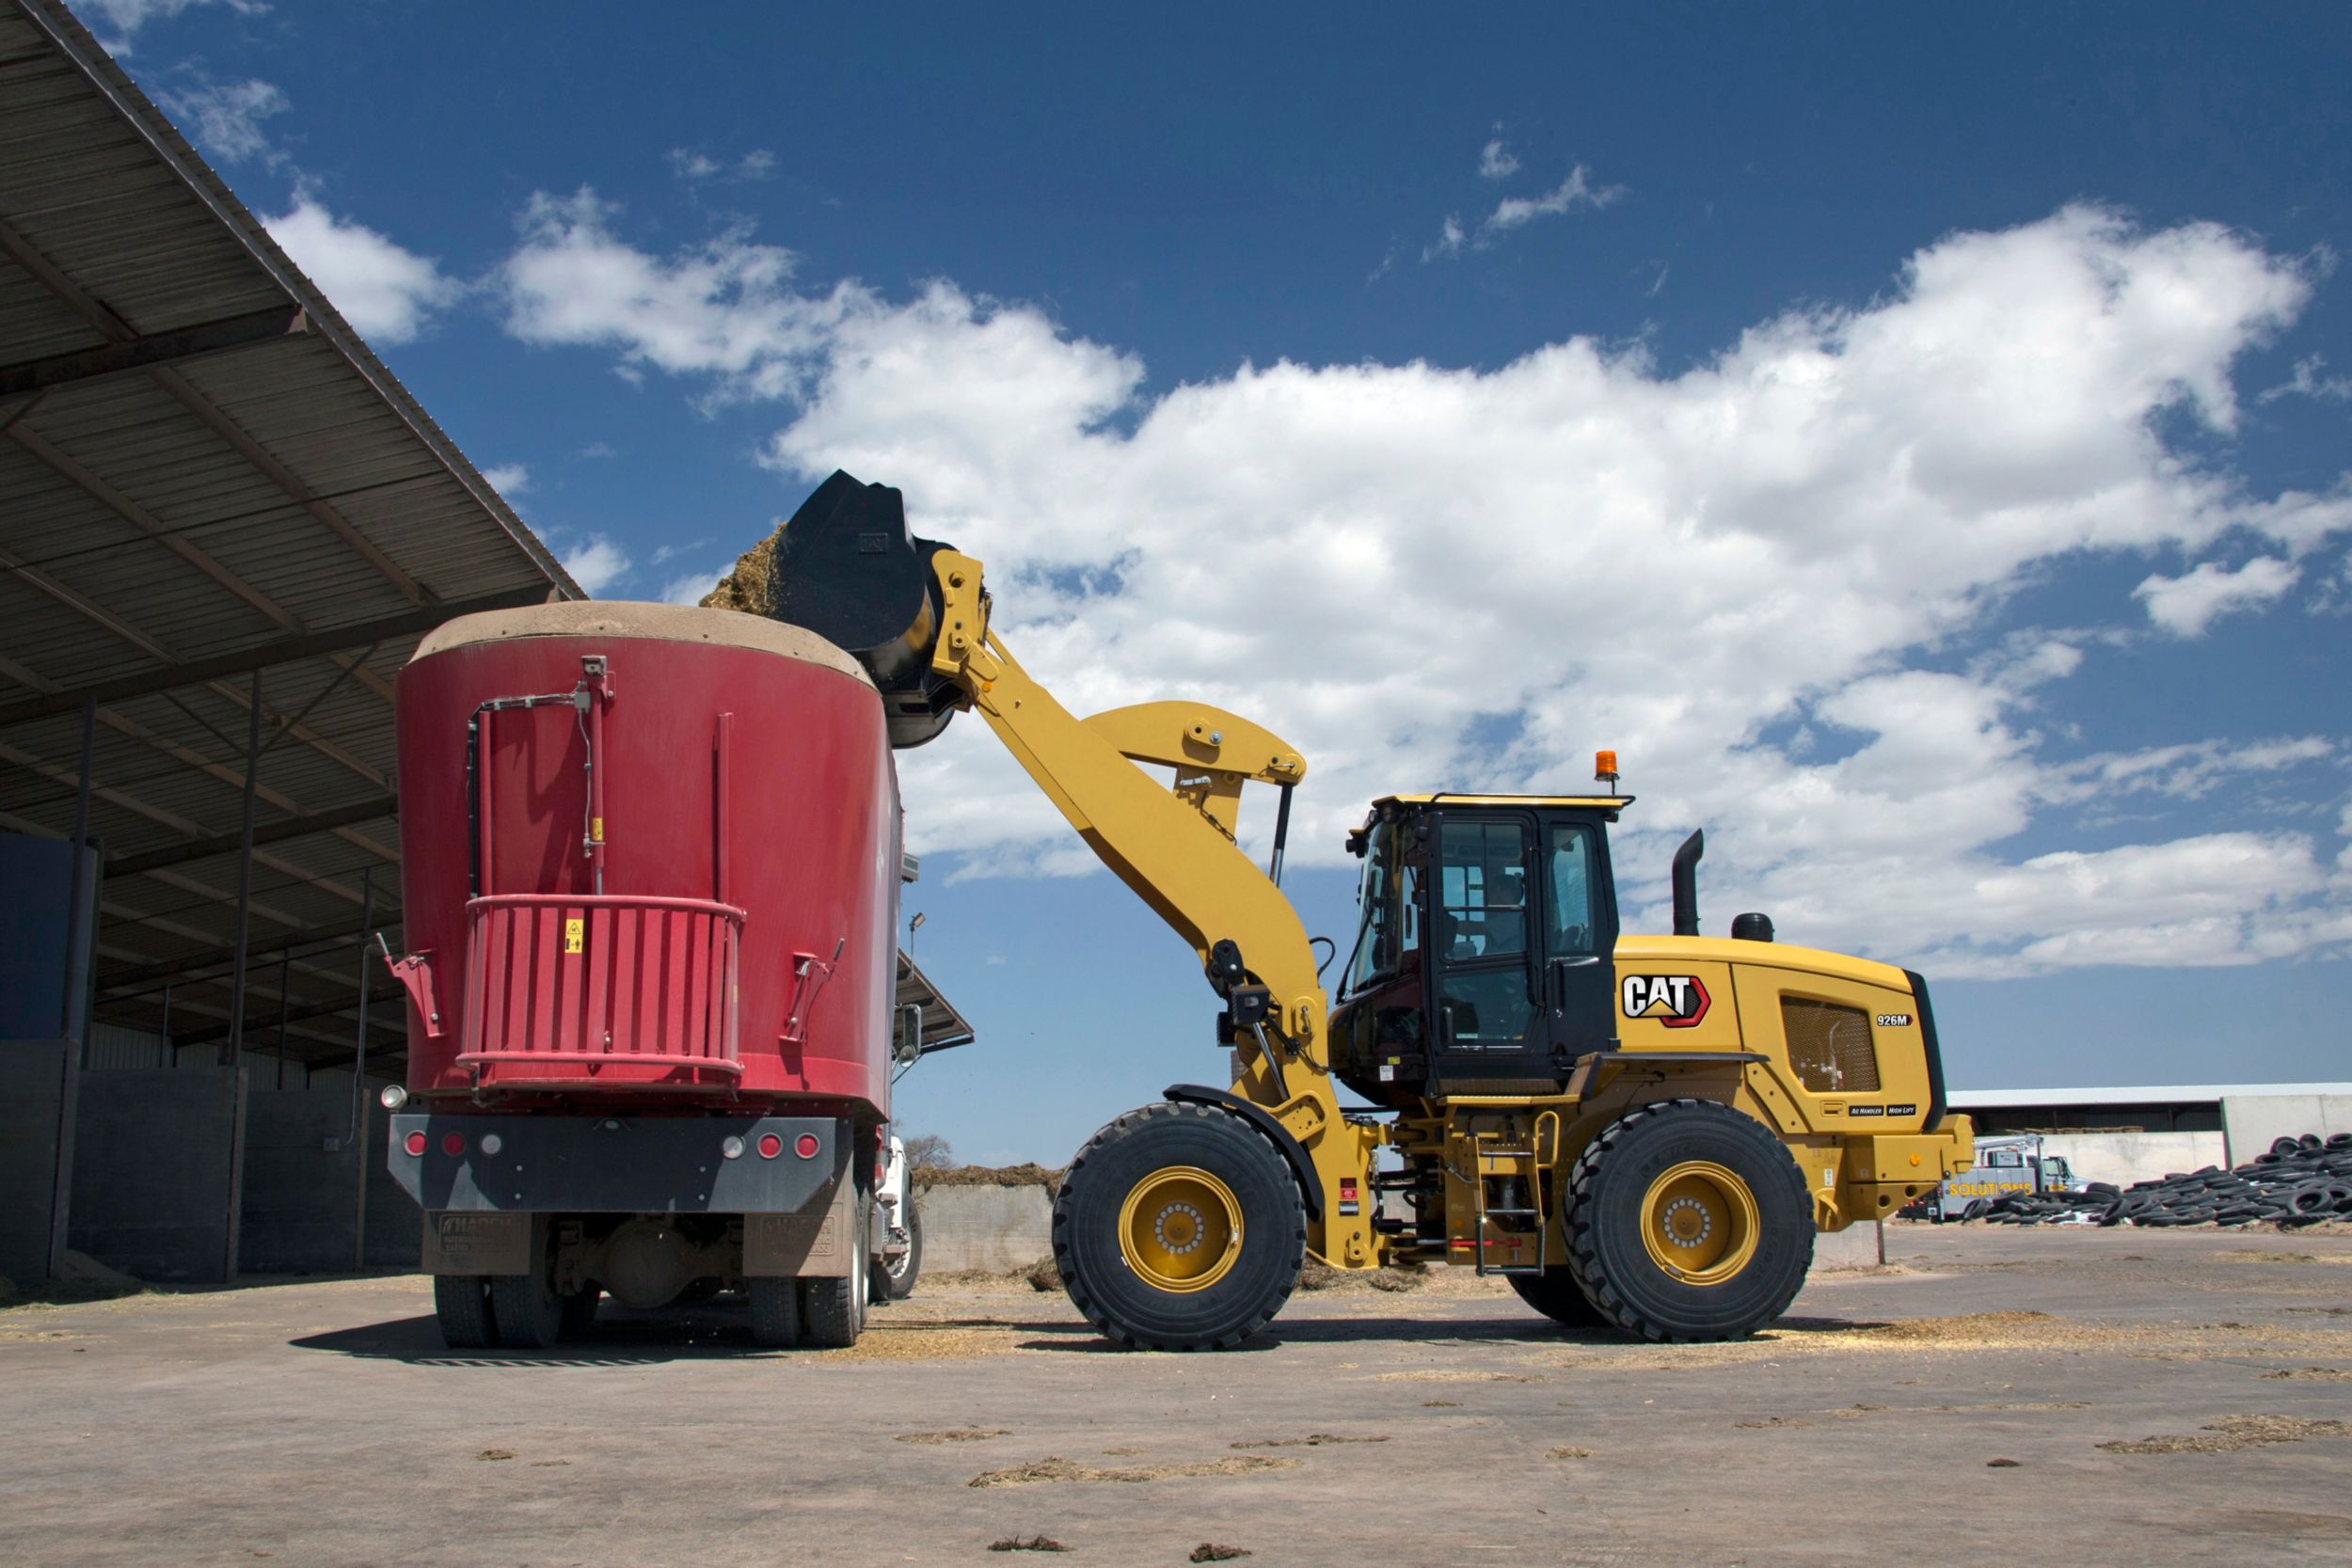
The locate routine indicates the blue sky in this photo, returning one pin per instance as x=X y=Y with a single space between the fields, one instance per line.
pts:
x=1915 y=441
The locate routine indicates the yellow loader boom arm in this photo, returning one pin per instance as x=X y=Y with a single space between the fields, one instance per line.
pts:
x=1175 y=848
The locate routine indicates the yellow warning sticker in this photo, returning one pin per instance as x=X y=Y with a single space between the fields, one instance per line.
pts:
x=575 y=935
x=596 y=829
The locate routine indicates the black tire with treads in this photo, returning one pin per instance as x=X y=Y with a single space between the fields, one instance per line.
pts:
x=1128 y=1308
x=461 y=1303
x=1609 y=1184
x=1556 y=1294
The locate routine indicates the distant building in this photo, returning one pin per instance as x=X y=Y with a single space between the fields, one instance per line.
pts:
x=2130 y=1135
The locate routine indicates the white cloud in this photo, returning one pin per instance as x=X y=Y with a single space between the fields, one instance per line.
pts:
x=509 y=479
x=1429 y=577
x=597 y=449
x=2308 y=382
x=225 y=117
x=1495 y=161
x=2185 y=606
x=2184 y=772
x=1576 y=191
x=596 y=565
x=383 y=289
x=725 y=307
x=691 y=587
x=695 y=167
x=1448 y=242
x=131 y=15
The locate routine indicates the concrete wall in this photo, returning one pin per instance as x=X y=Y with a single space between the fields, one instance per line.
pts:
x=2124 y=1158
x=301 y=1193
x=33 y=1088
x=1860 y=1245
x=2254 y=1121
x=993 y=1229
x=155 y=1173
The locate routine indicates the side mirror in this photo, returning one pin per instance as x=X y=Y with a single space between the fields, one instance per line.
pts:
x=906 y=1046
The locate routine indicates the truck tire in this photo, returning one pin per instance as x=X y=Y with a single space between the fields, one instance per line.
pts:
x=776 y=1312
x=1556 y=1294
x=1178 y=1228
x=894 y=1280
x=529 y=1311
x=461 y=1303
x=1689 y=1221
x=832 y=1310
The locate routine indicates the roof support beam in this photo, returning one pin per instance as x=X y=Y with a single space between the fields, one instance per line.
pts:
x=112 y=982
x=260 y=1020
x=126 y=356
x=311 y=645
x=225 y=844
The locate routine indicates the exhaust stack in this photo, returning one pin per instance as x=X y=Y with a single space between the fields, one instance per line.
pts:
x=1686 y=885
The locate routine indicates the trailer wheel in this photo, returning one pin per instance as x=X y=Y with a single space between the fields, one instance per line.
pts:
x=461 y=1302
x=1688 y=1221
x=776 y=1312
x=529 y=1310
x=1556 y=1294
x=832 y=1310
x=1178 y=1226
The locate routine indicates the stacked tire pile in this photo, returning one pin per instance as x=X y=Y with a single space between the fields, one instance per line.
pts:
x=2300 y=1181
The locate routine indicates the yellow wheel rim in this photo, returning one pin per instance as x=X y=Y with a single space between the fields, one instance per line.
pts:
x=1699 y=1222
x=1180 y=1229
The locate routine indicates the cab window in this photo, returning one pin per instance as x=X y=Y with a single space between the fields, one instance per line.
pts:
x=1388 y=909
x=1482 y=929
x=1568 y=928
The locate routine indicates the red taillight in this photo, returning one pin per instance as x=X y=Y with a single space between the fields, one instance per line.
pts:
x=452 y=1143
x=416 y=1143
x=805 y=1146
x=770 y=1146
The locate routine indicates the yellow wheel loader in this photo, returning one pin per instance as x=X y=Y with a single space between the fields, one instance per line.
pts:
x=1638 y=1131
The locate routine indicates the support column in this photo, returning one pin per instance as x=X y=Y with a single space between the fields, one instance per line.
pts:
x=233 y=1042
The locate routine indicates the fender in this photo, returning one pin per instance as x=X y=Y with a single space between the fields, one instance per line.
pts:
x=1310 y=1185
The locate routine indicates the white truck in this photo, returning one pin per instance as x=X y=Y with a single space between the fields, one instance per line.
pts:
x=2013 y=1163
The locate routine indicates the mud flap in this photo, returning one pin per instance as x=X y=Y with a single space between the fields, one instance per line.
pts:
x=458 y=1242
x=815 y=1244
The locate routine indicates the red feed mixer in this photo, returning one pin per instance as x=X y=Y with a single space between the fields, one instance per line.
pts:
x=650 y=888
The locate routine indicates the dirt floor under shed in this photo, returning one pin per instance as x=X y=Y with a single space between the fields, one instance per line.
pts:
x=2072 y=1395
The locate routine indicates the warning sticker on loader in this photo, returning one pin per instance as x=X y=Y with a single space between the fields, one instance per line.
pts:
x=1677 y=1000
x=575 y=935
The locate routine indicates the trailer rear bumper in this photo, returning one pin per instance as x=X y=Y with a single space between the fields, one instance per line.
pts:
x=622 y=1164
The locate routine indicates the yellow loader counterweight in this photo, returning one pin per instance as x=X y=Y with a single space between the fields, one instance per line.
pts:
x=1644 y=1131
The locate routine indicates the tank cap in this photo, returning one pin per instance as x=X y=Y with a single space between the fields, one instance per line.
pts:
x=1752 y=927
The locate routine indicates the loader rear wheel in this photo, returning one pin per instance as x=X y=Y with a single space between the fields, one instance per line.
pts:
x=1178 y=1228
x=1556 y=1294
x=1689 y=1221
x=461 y=1302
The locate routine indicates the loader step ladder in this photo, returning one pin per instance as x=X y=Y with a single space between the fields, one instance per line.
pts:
x=1498 y=1156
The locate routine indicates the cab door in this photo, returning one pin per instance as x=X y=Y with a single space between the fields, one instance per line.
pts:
x=1482 y=948
x=1577 y=933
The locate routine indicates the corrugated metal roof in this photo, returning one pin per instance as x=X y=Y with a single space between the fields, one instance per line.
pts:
x=206 y=479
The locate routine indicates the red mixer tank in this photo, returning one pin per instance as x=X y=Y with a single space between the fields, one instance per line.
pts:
x=650 y=860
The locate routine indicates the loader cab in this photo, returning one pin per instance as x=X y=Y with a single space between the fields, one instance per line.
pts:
x=1485 y=931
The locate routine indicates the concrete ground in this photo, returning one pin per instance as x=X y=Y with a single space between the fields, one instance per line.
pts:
x=1964 y=1402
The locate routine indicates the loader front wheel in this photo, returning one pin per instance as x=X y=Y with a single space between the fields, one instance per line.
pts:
x=1178 y=1228
x=1556 y=1294
x=1689 y=1221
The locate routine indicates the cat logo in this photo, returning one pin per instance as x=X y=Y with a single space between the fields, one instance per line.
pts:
x=1677 y=1000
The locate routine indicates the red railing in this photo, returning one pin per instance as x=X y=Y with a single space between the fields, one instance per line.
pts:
x=633 y=992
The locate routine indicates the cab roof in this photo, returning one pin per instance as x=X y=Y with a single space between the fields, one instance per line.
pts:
x=1604 y=803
